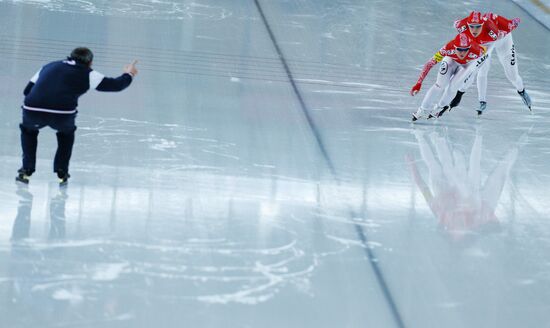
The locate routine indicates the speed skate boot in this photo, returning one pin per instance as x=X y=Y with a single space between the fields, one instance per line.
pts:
x=525 y=97
x=482 y=107
x=63 y=177
x=418 y=114
x=436 y=113
x=23 y=176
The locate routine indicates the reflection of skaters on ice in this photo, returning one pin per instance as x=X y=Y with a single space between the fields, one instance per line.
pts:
x=28 y=264
x=21 y=264
x=22 y=223
x=57 y=214
x=455 y=193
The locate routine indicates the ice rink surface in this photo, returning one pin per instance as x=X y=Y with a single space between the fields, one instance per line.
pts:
x=223 y=189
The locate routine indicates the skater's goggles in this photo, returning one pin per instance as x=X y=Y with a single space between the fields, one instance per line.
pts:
x=475 y=26
x=462 y=49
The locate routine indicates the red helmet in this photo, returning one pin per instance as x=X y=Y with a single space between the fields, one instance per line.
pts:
x=462 y=42
x=475 y=18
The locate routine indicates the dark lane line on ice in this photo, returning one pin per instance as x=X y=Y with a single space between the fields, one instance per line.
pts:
x=296 y=91
x=373 y=260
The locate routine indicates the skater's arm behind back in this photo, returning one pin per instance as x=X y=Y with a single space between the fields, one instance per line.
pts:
x=31 y=83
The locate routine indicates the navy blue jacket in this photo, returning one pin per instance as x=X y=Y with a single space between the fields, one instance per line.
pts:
x=56 y=87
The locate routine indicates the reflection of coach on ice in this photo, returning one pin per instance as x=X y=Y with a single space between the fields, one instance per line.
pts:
x=51 y=99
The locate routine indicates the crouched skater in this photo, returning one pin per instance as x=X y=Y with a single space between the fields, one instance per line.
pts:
x=460 y=59
x=495 y=33
x=51 y=99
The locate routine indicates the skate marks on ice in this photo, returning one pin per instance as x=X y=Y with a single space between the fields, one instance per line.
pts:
x=161 y=146
x=145 y=9
x=454 y=189
x=204 y=253
x=250 y=276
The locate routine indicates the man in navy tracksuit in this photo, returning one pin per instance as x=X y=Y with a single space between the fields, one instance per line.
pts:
x=51 y=99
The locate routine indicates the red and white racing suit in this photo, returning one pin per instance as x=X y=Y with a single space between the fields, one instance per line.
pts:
x=453 y=73
x=496 y=34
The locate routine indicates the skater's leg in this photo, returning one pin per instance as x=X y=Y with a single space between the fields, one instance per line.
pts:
x=430 y=99
x=469 y=82
x=482 y=86
x=462 y=78
x=29 y=143
x=466 y=85
x=31 y=123
x=446 y=70
x=483 y=72
x=459 y=79
x=507 y=55
x=66 y=128
x=65 y=142
x=449 y=93
x=482 y=80
x=461 y=90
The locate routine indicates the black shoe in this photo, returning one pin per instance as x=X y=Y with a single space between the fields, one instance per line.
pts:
x=63 y=177
x=23 y=175
x=456 y=100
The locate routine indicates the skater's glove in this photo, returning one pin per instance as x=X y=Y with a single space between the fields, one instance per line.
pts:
x=514 y=23
x=416 y=88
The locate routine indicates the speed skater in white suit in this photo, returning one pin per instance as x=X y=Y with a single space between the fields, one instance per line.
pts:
x=494 y=32
x=460 y=59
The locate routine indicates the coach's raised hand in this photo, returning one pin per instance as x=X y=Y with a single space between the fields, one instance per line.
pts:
x=131 y=68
